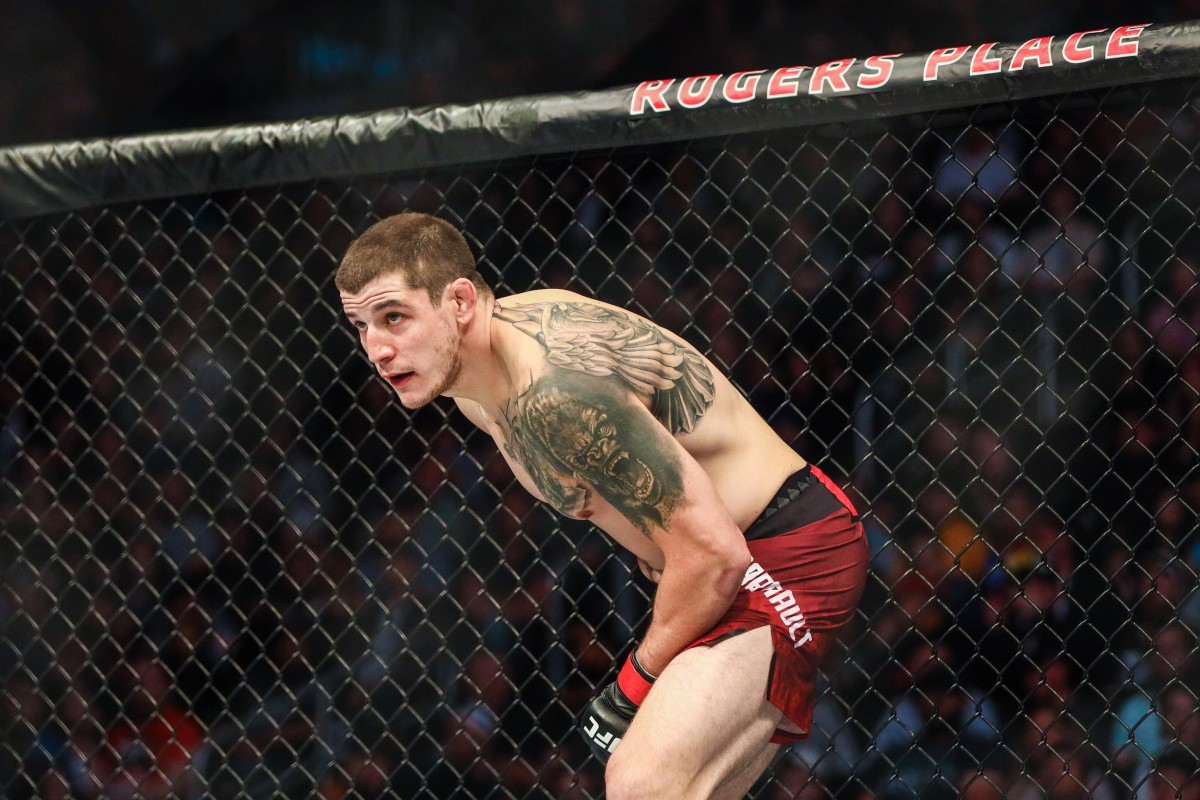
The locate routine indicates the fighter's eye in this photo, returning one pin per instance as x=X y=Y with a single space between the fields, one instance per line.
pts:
x=362 y=326
x=393 y=318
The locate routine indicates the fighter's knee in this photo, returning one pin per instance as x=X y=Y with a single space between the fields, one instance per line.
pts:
x=624 y=777
x=633 y=778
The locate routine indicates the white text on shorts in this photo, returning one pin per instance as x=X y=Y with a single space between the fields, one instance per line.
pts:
x=758 y=579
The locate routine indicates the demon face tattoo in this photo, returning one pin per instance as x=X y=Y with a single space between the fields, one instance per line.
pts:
x=573 y=433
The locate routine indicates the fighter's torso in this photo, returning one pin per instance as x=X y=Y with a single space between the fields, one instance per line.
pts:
x=586 y=340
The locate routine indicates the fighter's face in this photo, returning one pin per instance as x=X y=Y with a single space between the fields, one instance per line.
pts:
x=414 y=344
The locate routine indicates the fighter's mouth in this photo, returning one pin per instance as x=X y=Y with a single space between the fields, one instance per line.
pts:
x=398 y=379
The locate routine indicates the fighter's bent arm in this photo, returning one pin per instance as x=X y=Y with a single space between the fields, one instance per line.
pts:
x=578 y=434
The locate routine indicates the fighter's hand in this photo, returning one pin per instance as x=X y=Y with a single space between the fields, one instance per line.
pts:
x=606 y=718
x=649 y=571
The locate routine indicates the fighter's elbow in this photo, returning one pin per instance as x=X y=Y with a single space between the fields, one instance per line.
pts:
x=731 y=570
x=709 y=555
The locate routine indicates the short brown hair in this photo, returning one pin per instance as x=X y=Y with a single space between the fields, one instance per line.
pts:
x=426 y=250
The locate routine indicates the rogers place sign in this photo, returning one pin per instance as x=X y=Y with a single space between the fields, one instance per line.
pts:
x=876 y=72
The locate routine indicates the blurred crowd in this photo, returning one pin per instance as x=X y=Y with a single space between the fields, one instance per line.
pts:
x=234 y=567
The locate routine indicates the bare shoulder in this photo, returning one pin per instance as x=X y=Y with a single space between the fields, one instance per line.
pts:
x=559 y=299
x=578 y=334
x=543 y=296
x=474 y=412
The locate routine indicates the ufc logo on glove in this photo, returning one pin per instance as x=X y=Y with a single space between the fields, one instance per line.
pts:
x=606 y=741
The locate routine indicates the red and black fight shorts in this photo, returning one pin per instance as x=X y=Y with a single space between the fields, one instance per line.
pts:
x=806 y=579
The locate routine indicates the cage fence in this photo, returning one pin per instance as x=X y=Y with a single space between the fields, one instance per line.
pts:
x=235 y=567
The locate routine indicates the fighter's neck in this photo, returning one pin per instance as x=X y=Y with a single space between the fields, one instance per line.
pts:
x=495 y=361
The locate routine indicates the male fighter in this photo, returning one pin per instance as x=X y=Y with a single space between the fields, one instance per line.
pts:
x=758 y=558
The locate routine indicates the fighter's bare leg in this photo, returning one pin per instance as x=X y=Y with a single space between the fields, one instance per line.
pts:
x=737 y=785
x=704 y=731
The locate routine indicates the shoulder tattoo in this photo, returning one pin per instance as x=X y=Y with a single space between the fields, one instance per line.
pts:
x=589 y=338
x=574 y=434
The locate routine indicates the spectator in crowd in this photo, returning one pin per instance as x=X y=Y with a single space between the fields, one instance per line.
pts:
x=987 y=783
x=792 y=779
x=1176 y=775
x=474 y=745
x=1178 y=709
x=1143 y=724
x=402 y=673
x=834 y=750
x=1017 y=626
x=979 y=166
x=937 y=733
x=360 y=773
x=1056 y=759
x=1173 y=315
x=70 y=739
x=1064 y=249
x=152 y=743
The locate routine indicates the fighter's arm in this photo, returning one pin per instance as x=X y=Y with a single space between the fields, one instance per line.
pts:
x=592 y=447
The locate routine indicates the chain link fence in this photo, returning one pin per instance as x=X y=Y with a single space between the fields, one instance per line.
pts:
x=234 y=567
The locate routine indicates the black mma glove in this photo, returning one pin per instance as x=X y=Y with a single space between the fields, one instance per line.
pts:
x=606 y=718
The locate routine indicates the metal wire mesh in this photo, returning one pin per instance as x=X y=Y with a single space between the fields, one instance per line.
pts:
x=234 y=567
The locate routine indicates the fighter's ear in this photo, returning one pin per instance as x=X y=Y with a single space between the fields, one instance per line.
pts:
x=463 y=296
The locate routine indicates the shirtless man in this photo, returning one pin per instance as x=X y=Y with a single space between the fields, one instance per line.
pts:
x=758 y=558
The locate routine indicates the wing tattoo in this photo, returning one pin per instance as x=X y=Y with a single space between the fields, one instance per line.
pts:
x=599 y=341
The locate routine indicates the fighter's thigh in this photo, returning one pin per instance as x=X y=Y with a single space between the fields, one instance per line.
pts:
x=706 y=719
x=736 y=786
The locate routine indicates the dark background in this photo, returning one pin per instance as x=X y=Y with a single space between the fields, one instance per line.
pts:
x=88 y=68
